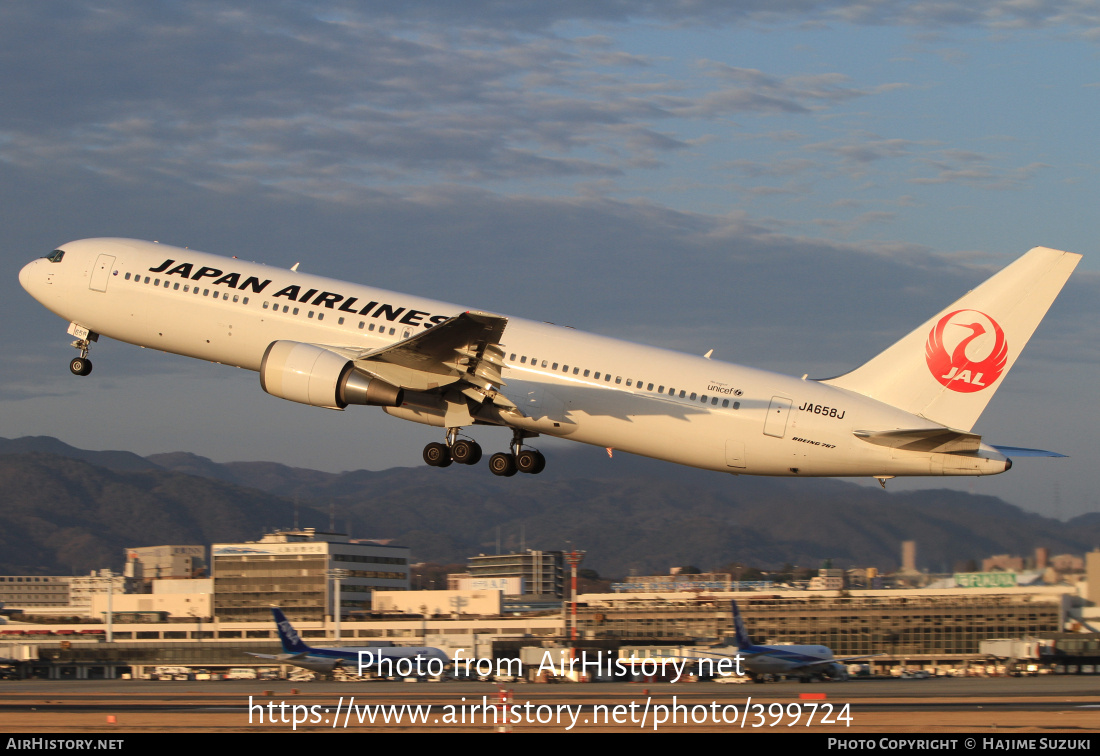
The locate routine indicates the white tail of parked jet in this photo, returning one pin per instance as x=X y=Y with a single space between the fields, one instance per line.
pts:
x=948 y=369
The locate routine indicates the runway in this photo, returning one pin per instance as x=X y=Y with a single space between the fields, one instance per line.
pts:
x=1050 y=704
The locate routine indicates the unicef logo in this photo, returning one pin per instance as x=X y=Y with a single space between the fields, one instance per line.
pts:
x=966 y=351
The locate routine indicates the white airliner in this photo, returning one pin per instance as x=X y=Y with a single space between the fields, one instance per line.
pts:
x=385 y=661
x=804 y=662
x=327 y=343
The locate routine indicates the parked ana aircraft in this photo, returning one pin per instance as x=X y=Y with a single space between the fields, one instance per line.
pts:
x=909 y=411
x=386 y=661
x=803 y=662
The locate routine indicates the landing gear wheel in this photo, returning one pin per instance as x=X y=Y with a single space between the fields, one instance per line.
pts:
x=437 y=455
x=502 y=464
x=80 y=366
x=466 y=452
x=530 y=461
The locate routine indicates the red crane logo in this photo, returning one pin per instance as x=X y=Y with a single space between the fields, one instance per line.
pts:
x=978 y=357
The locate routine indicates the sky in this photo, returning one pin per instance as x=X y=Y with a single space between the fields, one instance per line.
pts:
x=795 y=184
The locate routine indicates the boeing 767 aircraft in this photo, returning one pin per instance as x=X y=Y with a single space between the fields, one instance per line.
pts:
x=807 y=663
x=327 y=343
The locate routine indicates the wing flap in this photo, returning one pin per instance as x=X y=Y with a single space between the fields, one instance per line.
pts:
x=462 y=353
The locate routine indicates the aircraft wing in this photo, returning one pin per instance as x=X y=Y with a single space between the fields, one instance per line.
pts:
x=288 y=658
x=461 y=353
x=825 y=662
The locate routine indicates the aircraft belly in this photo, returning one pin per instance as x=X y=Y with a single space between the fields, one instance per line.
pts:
x=649 y=427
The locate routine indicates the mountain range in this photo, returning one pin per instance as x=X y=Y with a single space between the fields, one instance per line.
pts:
x=65 y=510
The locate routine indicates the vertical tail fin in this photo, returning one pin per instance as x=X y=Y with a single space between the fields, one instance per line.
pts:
x=740 y=634
x=948 y=369
x=288 y=636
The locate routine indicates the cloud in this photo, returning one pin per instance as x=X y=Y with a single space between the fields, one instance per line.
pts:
x=288 y=96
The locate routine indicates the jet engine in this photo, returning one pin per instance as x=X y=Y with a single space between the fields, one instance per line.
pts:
x=319 y=377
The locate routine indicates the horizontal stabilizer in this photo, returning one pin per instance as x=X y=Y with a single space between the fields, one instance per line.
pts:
x=1019 y=451
x=941 y=440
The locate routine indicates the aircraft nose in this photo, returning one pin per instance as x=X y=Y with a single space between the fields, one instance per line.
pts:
x=27 y=276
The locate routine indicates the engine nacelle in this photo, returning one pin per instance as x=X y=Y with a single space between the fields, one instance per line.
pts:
x=319 y=377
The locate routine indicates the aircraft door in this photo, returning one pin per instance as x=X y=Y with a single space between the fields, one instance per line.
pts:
x=101 y=273
x=735 y=453
x=776 y=422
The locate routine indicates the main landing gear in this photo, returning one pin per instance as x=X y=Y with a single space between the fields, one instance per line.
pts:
x=461 y=450
x=468 y=452
x=507 y=464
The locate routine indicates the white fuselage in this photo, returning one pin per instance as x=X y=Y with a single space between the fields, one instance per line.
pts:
x=597 y=390
x=787 y=660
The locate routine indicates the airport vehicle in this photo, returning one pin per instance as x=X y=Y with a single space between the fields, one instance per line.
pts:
x=807 y=663
x=327 y=343
x=381 y=660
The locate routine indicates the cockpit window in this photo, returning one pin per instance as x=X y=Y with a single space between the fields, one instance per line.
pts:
x=56 y=255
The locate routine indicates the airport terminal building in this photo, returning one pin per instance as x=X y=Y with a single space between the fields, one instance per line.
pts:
x=294 y=569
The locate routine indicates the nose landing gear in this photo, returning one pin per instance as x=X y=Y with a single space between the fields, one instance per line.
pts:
x=81 y=365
